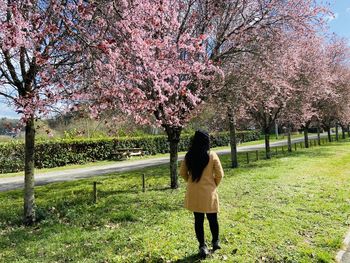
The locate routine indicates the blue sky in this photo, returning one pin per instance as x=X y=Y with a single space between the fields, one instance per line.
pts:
x=339 y=23
x=6 y=111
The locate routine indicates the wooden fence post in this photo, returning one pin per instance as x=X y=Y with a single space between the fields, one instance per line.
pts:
x=95 y=192
x=247 y=153
x=143 y=183
x=295 y=146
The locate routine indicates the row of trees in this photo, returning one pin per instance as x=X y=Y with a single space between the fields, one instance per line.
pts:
x=159 y=60
x=296 y=80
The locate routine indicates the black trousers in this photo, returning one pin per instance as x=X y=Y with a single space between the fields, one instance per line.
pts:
x=199 y=226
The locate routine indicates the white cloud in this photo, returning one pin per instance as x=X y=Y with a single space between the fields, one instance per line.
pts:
x=332 y=17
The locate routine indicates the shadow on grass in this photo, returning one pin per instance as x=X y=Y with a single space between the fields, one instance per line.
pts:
x=68 y=207
x=189 y=259
x=67 y=212
x=134 y=190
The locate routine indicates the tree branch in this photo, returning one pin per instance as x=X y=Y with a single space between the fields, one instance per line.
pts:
x=6 y=96
x=12 y=70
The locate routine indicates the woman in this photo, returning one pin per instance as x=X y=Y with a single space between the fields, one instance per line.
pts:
x=202 y=171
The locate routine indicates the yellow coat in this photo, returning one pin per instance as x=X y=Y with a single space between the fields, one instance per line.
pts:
x=202 y=196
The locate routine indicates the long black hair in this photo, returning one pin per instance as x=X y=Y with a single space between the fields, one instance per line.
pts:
x=197 y=156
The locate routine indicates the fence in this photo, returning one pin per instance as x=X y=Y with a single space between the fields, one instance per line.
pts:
x=254 y=155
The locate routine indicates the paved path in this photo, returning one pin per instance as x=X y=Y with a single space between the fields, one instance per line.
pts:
x=11 y=183
x=343 y=255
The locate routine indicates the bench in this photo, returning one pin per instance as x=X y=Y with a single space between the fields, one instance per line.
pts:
x=125 y=153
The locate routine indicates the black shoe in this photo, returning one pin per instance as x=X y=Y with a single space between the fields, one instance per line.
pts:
x=203 y=251
x=216 y=245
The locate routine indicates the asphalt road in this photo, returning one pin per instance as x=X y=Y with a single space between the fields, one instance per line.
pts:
x=11 y=183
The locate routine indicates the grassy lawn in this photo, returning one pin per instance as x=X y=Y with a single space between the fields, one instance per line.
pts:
x=293 y=208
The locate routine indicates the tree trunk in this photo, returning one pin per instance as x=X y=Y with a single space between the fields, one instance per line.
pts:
x=289 y=140
x=329 y=134
x=348 y=130
x=267 y=145
x=336 y=132
x=343 y=132
x=318 y=135
x=29 y=200
x=306 y=137
x=174 y=139
x=233 y=139
x=276 y=129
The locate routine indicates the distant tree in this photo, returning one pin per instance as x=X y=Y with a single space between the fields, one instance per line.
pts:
x=7 y=126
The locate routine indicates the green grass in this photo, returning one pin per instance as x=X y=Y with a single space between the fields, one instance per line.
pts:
x=293 y=208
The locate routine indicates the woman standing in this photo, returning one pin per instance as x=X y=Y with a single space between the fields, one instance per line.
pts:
x=202 y=171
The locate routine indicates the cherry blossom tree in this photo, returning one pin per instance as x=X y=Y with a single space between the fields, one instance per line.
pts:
x=310 y=79
x=148 y=39
x=240 y=28
x=156 y=62
x=332 y=106
x=229 y=96
x=342 y=88
x=268 y=89
x=150 y=66
x=36 y=43
x=344 y=102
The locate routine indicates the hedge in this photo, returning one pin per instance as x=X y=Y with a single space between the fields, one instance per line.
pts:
x=56 y=153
